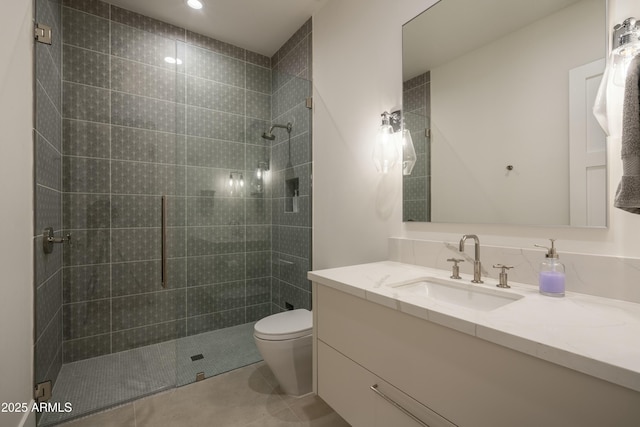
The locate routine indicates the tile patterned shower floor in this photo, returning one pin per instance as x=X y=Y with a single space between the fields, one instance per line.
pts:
x=93 y=384
x=245 y=397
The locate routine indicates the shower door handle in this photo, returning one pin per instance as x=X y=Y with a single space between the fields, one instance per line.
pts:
x=163 y=243
x=48 y=239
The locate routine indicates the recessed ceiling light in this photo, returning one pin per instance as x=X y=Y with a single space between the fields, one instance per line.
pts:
x=195 y=4
x=172 y=60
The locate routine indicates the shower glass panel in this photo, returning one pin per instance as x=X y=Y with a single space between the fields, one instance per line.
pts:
x=291 y=173
x=248 y=235
x=228 y=215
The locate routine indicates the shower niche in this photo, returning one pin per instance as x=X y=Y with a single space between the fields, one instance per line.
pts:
x=292 y=195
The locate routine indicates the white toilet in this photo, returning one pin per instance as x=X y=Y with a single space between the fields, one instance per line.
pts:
x=284 y=341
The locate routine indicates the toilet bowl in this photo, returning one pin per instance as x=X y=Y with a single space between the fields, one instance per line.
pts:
x=284 y=341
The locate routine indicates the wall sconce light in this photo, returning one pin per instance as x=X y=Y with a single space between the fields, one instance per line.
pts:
x=625 y=46
x=385 y=150
x=258 y=182
x=261 y=169
x=393 y=142
x=236 y=182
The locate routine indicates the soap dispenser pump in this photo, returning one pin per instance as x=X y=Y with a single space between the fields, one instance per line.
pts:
x=551 y=279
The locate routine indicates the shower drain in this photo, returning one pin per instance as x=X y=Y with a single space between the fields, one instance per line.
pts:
x=196 y=357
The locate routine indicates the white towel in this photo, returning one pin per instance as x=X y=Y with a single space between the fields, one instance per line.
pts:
x=628 y=194
x=600 y=105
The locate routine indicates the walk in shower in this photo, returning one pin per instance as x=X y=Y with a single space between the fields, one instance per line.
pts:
x=185 y=225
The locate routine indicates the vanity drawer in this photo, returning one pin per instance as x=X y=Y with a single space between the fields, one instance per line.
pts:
x=364 y=400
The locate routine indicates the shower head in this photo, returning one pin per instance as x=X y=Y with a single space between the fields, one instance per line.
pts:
x=270 y=136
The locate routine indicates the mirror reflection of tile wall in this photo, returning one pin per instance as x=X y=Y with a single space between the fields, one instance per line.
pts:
x=417 y=112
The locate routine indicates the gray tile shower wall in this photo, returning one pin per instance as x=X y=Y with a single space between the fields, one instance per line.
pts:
x=48 y=195
x=291 y=172
x=135 y=128
x=416 y=101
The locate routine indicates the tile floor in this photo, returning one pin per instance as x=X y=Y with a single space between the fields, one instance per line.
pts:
x=113 y=379
x=245 y=397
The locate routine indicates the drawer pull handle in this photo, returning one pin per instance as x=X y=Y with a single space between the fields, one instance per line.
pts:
x=397 y=405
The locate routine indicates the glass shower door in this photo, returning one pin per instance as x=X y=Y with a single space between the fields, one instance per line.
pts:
x=119 y=137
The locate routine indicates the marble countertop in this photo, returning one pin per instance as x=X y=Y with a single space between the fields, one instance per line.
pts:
x=593 y=335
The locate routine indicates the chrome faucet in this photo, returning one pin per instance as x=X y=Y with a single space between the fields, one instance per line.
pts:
x=477 y=265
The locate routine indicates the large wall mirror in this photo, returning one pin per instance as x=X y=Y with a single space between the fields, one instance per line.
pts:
x=498 y=97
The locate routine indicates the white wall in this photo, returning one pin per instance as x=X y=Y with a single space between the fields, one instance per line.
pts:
x=357 y=75
x=16 y=214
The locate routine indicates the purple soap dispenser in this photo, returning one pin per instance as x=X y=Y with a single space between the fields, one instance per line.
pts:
x=551 y=277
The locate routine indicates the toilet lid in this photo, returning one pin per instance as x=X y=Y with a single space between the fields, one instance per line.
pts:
x=284 y=326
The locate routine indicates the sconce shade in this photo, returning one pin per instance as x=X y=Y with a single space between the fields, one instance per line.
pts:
x=621 y=59
x=258 y=181
x=409 y=156
x=626 y=46
x=236 y=183
x=385 y=150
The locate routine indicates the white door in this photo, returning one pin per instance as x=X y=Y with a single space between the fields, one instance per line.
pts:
x=587 y=149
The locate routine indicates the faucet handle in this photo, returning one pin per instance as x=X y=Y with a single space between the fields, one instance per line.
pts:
x=455 y=269
x=503 y=275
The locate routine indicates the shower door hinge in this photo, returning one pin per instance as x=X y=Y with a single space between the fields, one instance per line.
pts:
x=309 y=103
x=42 y=392
x=43 y=33
x=427 y=132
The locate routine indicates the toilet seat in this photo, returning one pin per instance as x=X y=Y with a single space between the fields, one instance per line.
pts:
x=284 y=326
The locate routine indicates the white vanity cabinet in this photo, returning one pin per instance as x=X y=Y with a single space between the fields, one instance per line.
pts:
x=445 y=377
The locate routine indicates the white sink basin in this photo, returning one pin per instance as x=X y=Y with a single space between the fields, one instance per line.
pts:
x=456 y=293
